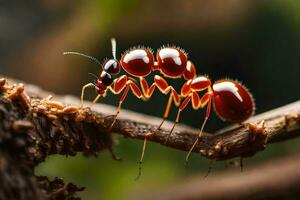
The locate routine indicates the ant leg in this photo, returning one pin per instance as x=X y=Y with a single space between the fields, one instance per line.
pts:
x=115 y=118
x=162 y=85
x=242 y=164
x=113 y=155
x=173 y=127
x=200 y=132
x=148 y=91
x=166 y=113
x=182 y=107
x=82 y=92
x=152 y=133
x=164 y=88
x=119 y=106
x=96 y=98
x=135 y=90
x=211 y=162
x=141 y=159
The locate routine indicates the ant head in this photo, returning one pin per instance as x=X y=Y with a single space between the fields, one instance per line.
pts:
x=112 y=66
x=104 y=80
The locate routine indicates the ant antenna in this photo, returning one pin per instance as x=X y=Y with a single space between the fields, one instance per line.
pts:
x=93 y=75
x=113 y=47
x=95 y=79
x=83 y=55
x=211 y=162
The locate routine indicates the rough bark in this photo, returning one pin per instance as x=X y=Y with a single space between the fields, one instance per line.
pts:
x=29 y=133
x=240 y=140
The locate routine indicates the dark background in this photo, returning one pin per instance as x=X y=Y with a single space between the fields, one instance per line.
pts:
x=255 y=42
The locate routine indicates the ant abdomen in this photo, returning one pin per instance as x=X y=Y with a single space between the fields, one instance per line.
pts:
x=232 y=101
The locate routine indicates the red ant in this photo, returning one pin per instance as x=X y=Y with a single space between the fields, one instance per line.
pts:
x=231 y=101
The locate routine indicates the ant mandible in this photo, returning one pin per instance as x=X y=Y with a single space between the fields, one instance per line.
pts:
x=231 y=100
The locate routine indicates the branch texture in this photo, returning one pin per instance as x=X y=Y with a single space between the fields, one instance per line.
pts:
x=235 y=141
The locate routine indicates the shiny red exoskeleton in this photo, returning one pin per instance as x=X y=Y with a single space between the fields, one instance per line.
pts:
x=232 y=101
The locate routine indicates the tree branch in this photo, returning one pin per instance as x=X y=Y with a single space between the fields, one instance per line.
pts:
x=238 y=140
x=34 y=126
x=274 y=180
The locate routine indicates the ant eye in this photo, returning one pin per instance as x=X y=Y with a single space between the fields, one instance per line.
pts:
x=106 y=78
x=112 y=66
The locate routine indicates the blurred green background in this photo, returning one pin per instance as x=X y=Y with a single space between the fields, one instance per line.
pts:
x=256 y=42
